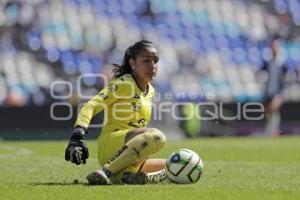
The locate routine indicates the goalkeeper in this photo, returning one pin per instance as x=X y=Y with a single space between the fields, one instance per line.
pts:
x=124 y=143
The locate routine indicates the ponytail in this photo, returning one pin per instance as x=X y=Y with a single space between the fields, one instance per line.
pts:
x=120 y=70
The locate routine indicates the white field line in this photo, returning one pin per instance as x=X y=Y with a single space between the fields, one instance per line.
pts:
x=15 y=151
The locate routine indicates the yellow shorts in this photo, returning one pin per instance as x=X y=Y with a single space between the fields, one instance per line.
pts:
x=109 y=143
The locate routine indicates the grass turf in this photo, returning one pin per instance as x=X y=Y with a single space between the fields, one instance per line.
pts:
x=235 y=168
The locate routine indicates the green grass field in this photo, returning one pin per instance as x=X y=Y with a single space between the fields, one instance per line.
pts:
x=235 y=168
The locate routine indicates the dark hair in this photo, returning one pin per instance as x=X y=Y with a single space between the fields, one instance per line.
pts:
x=131 y=52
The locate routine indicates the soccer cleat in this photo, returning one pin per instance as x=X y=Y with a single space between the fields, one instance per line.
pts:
x=142 y=178
x=98 y=177
x=135 y=178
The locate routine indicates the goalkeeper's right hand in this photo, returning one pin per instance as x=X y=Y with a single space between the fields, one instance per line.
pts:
x=77 y=152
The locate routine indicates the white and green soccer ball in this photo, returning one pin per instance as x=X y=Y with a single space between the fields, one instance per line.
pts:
x=184 y=166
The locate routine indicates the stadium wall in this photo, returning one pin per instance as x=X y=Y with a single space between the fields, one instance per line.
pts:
x=37 y=123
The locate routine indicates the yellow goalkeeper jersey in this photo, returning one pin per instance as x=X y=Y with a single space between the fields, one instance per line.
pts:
x=124 y=104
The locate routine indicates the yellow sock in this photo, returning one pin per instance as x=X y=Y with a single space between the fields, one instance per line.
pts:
x=136 y=149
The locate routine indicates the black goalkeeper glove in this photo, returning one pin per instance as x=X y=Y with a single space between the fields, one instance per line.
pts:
x=77 y=152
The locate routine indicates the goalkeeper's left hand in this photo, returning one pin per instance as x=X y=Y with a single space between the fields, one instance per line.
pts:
x=77 y=151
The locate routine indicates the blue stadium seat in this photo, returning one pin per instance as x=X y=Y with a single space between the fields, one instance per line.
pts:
x=77 y=41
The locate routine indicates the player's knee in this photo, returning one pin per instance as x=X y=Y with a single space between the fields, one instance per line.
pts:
x=158 y=139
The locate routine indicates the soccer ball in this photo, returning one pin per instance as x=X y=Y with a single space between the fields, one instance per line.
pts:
x=184 y=166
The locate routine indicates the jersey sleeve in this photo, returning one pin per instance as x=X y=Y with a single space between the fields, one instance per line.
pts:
x=117 y=89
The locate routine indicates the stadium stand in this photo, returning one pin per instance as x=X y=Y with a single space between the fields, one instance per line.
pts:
x=208 y=47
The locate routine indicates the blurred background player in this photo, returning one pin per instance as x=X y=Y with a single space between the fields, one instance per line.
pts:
x=124 y=143
x=272 y=99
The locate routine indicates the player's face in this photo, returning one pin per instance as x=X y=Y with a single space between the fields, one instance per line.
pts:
x=145 y=65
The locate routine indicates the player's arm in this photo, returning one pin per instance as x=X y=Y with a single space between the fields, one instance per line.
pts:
x=77 y=151
x=117 y=89
x=95 y=105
